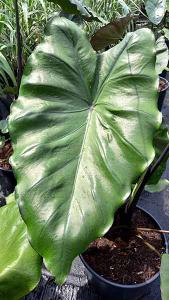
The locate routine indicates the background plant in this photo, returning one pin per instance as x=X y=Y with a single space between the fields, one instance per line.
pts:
x=33 y=15
x=111 y=10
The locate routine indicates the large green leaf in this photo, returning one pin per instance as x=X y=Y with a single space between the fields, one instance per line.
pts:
x=155 y=10
x=82 y=132
x=20 y=265
x=164 y=275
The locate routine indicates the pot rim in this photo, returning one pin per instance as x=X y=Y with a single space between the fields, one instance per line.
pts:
x=6 y=170
x=129 y=286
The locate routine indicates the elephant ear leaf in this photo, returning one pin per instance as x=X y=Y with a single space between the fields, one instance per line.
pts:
x=164 y=275
x=82 y=132
x=155 y=10
x=20 y=265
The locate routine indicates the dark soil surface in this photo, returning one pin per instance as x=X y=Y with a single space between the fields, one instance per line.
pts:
x=5 y=154
x=131 y=261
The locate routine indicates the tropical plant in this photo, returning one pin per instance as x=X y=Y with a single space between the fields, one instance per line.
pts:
x=83 y=134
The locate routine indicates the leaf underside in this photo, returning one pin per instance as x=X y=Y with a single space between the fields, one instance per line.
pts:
x=82 y=132
x=110 y=34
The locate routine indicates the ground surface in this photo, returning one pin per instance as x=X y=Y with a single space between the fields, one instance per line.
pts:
x=76 y=287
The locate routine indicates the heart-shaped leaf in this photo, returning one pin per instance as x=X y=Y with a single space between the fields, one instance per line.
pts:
x=155 y=10
x=20 y=265
x=82 y=132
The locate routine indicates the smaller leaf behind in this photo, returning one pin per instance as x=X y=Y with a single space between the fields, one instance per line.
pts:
x=166 y=32
x=159 y=187
x=20 y=265
x=164 y=274
x=161 y=140
x=110 y=34
x=4 y=126
x=155 y=10
x=162 y=55
x=155 y=183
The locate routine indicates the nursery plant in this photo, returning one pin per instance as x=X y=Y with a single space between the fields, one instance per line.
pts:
x=84 y=132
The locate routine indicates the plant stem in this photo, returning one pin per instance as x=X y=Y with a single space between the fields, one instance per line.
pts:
x=151 y=247
x=153 y=230
x=19 y=46
x=130 y=207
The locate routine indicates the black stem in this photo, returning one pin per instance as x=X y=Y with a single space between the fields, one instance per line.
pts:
x=19 y=46
x=129 y=208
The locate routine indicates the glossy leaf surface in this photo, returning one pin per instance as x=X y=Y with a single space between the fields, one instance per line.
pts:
x=164 y=275
x=155 y=10
x=20 y=265
x=82 y=132
x=110 y=33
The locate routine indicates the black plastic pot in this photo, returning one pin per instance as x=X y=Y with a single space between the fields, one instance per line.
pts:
x=109 y=290
x=7 y=181
x=162 y=95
